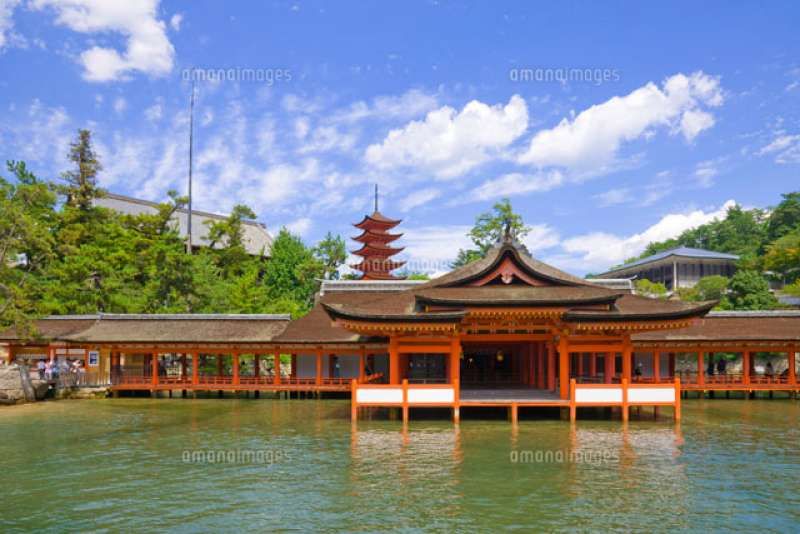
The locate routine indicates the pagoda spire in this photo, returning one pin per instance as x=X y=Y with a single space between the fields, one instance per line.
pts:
x=376 y=254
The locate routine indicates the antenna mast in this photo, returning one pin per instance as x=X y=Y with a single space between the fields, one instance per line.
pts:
x=191 y=146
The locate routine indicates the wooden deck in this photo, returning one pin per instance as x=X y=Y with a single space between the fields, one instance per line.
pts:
x=507 y=397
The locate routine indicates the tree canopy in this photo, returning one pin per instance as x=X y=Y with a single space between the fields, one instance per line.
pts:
x=490 y=228
x=61 y=253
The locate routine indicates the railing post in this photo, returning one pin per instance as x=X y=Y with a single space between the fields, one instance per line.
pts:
x=624 y=383
x=405 y=401
x=573 y=411
x=353 y=401
x=677 y=399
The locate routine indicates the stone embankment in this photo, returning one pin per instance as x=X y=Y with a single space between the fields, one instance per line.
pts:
x=16 y=385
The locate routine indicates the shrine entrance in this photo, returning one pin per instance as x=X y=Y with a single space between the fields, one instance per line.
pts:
x=493 y=365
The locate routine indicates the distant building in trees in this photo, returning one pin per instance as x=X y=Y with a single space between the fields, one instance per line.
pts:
x=676 y=268
x=256 y=237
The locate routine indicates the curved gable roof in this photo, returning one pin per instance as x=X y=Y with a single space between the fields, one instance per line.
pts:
x=507 y=250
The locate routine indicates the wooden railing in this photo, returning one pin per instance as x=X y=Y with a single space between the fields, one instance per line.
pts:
x=402 y=395
x=625 y=395
x=142 y=381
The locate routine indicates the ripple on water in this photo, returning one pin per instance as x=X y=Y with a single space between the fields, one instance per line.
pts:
x=121 y=464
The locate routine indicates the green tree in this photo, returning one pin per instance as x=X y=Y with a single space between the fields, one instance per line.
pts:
x=783 y=256
x=749 y=290
x=81 y=182
x=293 y=271
x=785 y=218
x=226 y=237
x=490 y=227
x=650 y=289
x=26 y=244
x=331 y=253
x=709 y=288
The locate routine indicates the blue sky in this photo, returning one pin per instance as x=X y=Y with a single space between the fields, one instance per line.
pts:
x=609 y=125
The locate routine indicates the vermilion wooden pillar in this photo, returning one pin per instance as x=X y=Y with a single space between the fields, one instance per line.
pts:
x=563 y=367
x=293 y=370
x=551 y=366
x=318 y=377
x=593 y=364
x=656 y=366
x=627 y=360
x=256 y=365
x=701 y=377
x=183 y=366
x=362 y=357
x=540 y=378
x=792 y=375
x=154 y=365
x=746 y=366
x=394 y=361
x=276 y=364
x=235 y=369
x=195 y=368
x=609 y=361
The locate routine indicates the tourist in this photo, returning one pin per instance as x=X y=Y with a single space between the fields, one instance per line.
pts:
x=710 y=367
x=769 y=371
x=637 y=372
x=48 y=371
x=722 y=365
x=336 y=368
x=40 y=366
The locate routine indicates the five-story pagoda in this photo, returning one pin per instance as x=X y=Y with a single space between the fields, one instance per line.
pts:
x=375 y=251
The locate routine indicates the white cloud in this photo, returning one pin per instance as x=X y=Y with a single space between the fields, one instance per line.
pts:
x=705 y=173
x=148 y=49
x=613 y=197
x=300 y=226
x=432 y=249
x=541 y=237
x=601 y=250
x=786 y=148
x=512 y=184
x=120 y=105
x=448 y=143
x=324 y=138
x=419 y=198
x=154 y=112
x=591 y=141
x=6 y=20
x=175 y=21
x=410 y=104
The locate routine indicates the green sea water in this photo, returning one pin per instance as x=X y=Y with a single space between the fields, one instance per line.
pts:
x=228 y=465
